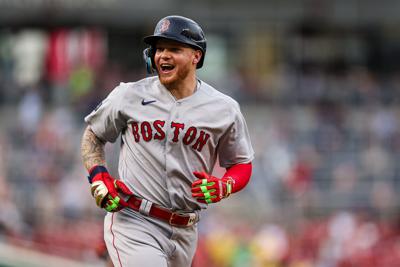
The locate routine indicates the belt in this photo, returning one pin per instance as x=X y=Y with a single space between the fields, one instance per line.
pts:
x=148 y=208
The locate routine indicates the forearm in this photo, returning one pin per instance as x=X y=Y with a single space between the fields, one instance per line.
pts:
x=92 y=150
x=240 y=174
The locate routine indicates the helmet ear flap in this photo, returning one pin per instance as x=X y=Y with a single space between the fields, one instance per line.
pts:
x=148 y=57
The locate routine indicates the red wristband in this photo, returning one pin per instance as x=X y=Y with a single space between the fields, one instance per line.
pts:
x=95 y=170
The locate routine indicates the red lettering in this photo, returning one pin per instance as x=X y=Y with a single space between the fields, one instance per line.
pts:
x=177 y=128
x=146 y=131
x=201 y=141
x=135 y=131
x=189 y=135
x=160 y=134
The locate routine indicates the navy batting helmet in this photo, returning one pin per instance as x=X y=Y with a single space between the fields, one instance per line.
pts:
x=176 y=28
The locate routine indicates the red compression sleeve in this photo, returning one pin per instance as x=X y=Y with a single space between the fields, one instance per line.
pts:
x=240 y=173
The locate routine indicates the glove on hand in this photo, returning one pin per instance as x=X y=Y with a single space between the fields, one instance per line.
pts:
x=210 y=189
x=105 y=190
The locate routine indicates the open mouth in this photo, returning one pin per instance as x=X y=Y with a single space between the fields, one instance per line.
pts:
x=165 y=67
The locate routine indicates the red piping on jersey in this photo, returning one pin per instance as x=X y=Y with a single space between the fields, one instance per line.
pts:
x=240 y=173
x=113 y=239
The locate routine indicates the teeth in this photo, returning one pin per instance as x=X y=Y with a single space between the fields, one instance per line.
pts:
x=167 y=66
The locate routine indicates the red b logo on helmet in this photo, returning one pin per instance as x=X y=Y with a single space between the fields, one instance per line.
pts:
x=164 y=26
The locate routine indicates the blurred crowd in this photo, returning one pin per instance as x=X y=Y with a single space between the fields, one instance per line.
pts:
x=325 y=181
x=343 y=239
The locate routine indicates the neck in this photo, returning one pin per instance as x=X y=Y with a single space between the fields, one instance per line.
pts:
x=184 y=88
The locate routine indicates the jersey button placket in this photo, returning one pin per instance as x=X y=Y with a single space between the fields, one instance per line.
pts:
x=168 y=145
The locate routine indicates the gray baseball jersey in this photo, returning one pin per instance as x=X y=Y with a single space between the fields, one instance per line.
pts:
x=164 y=139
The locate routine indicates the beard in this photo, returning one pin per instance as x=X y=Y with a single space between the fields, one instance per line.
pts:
x=172 y=81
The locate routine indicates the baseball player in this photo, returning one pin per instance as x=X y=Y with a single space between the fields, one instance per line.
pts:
x=172 y=127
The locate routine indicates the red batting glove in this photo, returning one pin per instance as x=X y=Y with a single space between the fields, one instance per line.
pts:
x=105 y=189
x=210 y=189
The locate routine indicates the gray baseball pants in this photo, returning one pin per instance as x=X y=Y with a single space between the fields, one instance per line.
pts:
x=133 y=239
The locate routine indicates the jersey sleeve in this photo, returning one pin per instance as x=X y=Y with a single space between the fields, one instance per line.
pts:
x=107 y=120
x=235 y=145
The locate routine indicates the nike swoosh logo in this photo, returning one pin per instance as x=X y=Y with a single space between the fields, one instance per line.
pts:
x=144 y=102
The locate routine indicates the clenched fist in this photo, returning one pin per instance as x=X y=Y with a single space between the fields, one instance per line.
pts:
x=210 y=189
x=105 y=189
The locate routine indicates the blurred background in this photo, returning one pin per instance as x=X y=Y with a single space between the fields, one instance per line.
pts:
x=319 y=85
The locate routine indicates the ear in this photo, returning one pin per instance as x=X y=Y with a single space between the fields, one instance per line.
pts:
x=197 y=56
